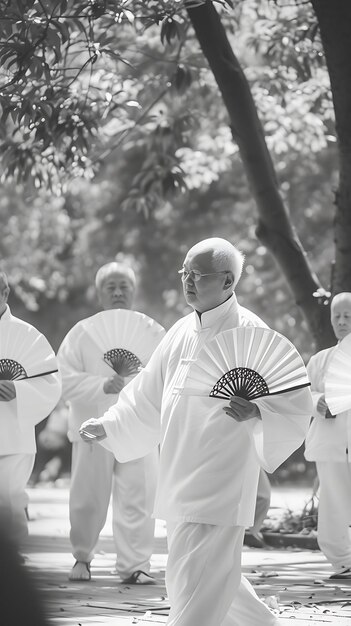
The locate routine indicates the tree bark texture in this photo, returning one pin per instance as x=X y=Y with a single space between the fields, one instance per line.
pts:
x=274 y=229
x=334 y=18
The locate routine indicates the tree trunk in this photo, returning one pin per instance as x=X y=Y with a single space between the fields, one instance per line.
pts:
x=334 y=20
x=274 y=226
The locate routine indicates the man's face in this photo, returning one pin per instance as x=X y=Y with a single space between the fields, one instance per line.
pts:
x=116 y=292
x=208 y=292
x=341 y=318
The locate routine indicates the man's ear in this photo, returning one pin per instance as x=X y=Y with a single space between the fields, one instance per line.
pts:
x=229 y=280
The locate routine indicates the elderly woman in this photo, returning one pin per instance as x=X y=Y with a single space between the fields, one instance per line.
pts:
x=328 y=443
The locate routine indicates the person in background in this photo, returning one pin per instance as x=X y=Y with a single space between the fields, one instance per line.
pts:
x=23 y=404
x=328 y=443
x=209 y=461
x=95 y=472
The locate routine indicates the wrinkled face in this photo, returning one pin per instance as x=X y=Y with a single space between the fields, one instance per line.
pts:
x=116 y=292
x=210 y=291
x=341 y=318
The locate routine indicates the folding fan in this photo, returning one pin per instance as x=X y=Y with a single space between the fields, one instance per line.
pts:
x=125 y=339
x=24 y=353
x=338 y=378
x=249 y=362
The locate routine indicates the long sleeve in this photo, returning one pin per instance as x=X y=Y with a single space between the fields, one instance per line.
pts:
x=132 y=424
x=283 y=427
x=327 y=438
x=316 y=369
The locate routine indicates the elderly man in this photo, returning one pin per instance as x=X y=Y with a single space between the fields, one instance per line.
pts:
x=209 y=464
x=24 y=402
x=95 y=472
x=328 y=443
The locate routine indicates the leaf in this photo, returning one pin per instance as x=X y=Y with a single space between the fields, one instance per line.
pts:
x=63 y=29
x=168 y=30
x=182 y=79
x=63 y=6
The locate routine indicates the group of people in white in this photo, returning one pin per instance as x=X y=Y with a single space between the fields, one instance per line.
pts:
x=165 y=454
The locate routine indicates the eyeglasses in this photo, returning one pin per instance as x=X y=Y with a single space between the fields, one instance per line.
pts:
x=195 y=276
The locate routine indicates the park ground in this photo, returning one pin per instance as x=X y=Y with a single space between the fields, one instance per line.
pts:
x=294 y=582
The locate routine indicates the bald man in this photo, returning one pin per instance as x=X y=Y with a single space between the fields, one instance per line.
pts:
x=328 y=443
x=209 y=461
x=88 y=388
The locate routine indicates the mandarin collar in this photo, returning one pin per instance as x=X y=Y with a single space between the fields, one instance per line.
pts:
x=208 y=318
x=6 y=314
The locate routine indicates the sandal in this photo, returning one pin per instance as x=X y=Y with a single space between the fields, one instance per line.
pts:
x=346 y=574
x=139 y=578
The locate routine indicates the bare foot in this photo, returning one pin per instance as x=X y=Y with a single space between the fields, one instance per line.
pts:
x=80 y=571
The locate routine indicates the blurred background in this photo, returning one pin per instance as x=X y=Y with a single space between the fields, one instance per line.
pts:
x=144 y=166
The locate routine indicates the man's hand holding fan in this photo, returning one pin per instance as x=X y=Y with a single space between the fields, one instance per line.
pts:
x=7 y=391
x=242 y=410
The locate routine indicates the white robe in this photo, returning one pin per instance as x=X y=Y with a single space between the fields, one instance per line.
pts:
x=327 y=439
x=84 y=373
x=35 y=397
x=209 y=463
x=328 y=443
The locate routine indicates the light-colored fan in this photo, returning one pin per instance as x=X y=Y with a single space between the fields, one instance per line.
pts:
x=24 y=353
x=249 y=362
x=338 y=378
x=124 y=339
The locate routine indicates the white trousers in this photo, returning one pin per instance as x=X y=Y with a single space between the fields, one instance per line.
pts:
x=334 y=513
x=95 y=474
x=204 y=581
x=15 y=471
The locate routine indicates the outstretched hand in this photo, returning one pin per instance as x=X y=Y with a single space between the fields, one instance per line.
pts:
x=92 y=430
x=242 y=410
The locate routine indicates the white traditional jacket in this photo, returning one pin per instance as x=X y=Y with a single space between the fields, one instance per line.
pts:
x=209 y=463
x=328 y=439
x=35 y=397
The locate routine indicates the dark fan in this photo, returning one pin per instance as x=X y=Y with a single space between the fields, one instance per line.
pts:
x=11 y=370
x=123 y=361
x=241 y=381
